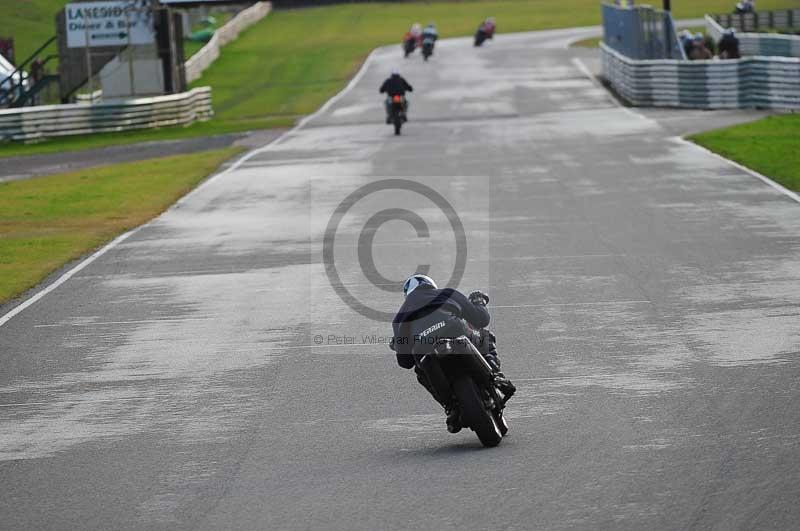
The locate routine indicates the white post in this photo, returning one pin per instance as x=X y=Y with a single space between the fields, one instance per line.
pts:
x=130 y=53
x=88 y=61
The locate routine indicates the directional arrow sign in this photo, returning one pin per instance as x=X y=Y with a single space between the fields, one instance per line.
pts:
x=121 y=36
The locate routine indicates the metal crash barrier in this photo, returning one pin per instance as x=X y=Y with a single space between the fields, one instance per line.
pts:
x=752 y=82
x=641 y=65
x=31 y=123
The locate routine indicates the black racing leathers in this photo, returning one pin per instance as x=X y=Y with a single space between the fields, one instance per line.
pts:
x=428 y=314
x=396 y=86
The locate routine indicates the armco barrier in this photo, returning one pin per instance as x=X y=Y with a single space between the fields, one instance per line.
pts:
x=29 y=123
x=762 y=82
x=206 y=55
x=765 y=44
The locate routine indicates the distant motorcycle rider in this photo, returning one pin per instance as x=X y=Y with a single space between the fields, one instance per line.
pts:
x=416 y=30
x=412 y=39
x=426 y=305
x=395 y=85
x=488 y=26
x=430 y=32
x=485 y=31
x=429 y=36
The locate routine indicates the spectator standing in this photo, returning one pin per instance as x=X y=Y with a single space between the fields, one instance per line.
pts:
x=686 y=38
x=729 y=45
x=699 y=50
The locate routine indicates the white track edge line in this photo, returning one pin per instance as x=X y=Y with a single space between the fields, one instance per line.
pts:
x=580 y=65
x=122 y=237
x=66 y=276
x=763 y=178
x=681 y=140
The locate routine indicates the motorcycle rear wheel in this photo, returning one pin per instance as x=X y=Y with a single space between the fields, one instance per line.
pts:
x=474 y=412
x=398 y=123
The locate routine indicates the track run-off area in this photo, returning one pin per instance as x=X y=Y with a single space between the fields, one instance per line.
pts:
x=204 y=372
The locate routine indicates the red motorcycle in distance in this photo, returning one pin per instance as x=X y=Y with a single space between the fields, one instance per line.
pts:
x=411 y=41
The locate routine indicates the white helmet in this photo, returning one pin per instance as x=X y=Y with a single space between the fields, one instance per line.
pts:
x=416 y=280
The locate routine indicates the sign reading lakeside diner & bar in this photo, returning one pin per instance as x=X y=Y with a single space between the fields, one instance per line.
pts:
x=108 y=23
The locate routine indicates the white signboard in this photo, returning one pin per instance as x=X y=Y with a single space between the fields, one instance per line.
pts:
x=112 y=23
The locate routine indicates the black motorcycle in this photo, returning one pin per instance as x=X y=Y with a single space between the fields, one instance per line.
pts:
x=482 y=35
x=455 y=368
x=409 y=45
x=427 y=48
x=397 y=112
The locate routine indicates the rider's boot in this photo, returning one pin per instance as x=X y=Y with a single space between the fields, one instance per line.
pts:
x=502 y=383
x=489 y=350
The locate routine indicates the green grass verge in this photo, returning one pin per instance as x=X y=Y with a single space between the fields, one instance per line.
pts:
x=769 y=146
x=46 y=222
x=591 y=42
x=288 y=64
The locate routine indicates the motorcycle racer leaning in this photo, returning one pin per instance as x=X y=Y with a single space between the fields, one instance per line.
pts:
x=426 y=307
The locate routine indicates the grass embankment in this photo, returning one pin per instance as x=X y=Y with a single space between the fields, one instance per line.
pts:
x=47 y=221
x=769 y=146
x=288 y=64
x=30 y=23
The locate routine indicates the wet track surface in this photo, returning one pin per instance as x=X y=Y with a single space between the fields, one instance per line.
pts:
x=645 y=296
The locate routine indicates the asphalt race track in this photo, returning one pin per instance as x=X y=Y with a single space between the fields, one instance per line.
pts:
x=200 y=373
